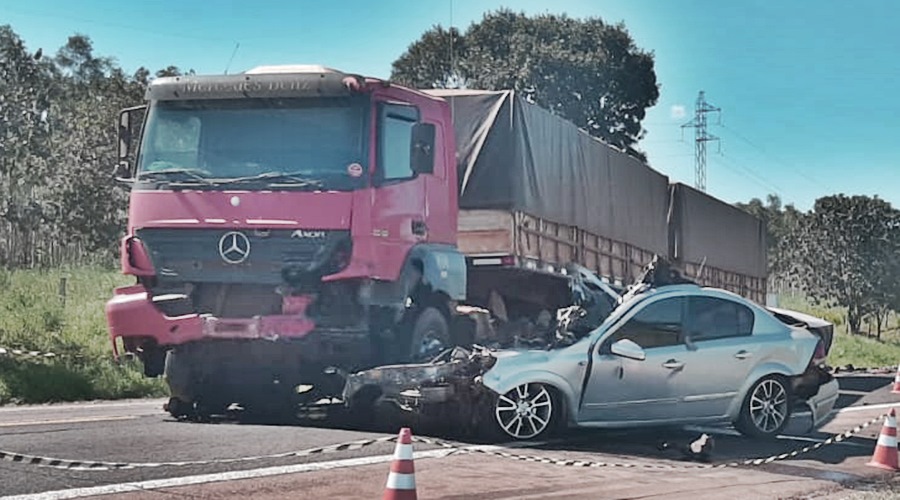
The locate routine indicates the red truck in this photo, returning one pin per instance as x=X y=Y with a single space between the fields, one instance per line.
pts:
x=292 y=222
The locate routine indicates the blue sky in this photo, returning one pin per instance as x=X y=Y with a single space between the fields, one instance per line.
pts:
x=808 y=90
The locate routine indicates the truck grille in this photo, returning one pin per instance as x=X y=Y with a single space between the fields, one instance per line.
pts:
x=194 y=256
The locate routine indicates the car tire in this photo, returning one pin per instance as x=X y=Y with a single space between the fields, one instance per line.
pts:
x=527 y=412
x=766 y=409
x=429 y=337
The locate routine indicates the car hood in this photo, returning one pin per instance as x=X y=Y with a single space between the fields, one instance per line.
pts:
x=519 y=356
x=509 y=362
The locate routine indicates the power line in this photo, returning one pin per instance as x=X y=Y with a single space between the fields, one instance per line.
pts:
x=701 y=137
x=790 y=168
x=750 y=174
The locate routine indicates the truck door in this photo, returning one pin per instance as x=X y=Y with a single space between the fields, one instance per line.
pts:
x=398 y=211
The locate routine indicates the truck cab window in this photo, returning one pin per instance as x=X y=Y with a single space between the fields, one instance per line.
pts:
x=395 y=131
x=175 y=143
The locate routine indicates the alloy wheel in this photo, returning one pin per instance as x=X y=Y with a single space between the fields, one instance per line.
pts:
x=769 y=405
x=525 y=411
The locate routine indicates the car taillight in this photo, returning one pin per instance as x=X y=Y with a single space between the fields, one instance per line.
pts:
x=819 y=355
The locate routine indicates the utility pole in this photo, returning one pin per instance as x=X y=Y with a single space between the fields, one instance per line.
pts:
x=701 y=137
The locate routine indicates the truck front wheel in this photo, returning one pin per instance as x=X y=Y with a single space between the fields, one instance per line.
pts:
x=430 y=336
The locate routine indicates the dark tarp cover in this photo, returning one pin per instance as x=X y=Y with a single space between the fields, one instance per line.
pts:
x=706 y=230
x=513 y=155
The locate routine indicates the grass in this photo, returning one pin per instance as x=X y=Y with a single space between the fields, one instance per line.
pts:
x=861 y=351
x=33 y=316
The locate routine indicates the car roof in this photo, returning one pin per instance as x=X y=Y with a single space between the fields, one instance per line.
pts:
x=690 y=290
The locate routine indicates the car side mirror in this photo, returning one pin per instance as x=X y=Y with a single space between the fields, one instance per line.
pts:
x=628 y=349
x=421 y=157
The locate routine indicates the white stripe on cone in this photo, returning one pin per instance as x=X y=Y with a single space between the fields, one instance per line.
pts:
x=403 y=452
x=891 y=422
x=397 y=481
x=887 y=441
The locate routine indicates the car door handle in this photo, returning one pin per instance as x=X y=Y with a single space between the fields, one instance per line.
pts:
x=742 y=354
x=673 y=364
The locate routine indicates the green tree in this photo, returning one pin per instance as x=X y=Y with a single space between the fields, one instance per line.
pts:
x=58 y=201
x=587 y=71
x=886 y=295
x=847 y=247
x=782 y=223
x=91 y=204
x=25 y=93
x=76 y=58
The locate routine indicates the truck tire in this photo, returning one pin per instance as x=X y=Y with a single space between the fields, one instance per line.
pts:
x=430 y=335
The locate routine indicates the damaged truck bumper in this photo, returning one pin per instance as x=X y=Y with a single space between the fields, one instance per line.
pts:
x=131 y=314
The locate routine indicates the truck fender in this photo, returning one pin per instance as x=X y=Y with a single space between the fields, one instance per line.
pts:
x=763 y=370
x=442 y=268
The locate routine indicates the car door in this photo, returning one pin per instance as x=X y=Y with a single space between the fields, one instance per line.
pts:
x=721 y=354
x=620 y=389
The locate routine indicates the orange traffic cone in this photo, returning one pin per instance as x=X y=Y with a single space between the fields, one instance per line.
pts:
x=885 y=455
x=401 y=483
x=896 y=389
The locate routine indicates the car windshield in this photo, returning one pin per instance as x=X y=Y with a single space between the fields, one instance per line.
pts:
x=316 y=143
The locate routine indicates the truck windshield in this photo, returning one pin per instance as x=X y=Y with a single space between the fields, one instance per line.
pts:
x=297 y=143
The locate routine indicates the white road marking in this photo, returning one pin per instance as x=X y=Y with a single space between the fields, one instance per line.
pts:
x=850 y=409
x=175 y=482
x=213 y=478
x=103 y=418
x=84 y=406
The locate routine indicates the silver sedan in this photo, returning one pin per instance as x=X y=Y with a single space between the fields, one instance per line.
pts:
x=677 y=354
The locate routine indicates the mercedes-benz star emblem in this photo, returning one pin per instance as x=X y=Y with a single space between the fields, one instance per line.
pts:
x=234 y=247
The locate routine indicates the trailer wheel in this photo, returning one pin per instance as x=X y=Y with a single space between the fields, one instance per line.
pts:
x=430 y=335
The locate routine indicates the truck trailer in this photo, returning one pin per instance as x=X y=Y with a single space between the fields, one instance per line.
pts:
x=292 y=223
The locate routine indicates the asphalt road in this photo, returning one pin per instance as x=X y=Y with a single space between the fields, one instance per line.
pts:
x=140 y=432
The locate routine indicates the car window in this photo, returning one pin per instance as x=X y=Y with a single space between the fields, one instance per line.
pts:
x=656 y=325
x=711 y=318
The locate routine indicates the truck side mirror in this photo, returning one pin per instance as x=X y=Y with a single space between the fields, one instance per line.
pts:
x=124 y=134
x=421 y=156
x=125 y=138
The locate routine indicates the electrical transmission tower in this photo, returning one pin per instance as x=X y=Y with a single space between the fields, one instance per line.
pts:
x=701 y=137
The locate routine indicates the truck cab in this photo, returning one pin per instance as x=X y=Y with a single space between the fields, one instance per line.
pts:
x=282 y=222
